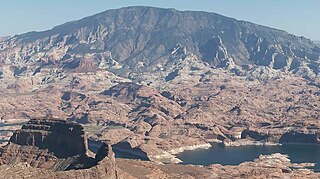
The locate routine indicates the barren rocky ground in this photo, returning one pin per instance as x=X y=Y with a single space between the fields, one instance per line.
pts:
x=42 y=148
x=154 y=82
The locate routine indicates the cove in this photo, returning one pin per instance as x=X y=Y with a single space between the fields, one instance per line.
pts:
x=219 y=154
x=95 y=145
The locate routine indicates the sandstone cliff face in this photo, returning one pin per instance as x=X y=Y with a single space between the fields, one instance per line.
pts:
x=46 y=143
x=63 y=138
x=104 y=164
x=55 y=148
x=301 y=137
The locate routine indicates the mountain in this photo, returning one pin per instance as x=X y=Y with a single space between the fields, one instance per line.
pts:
x=144 y=39
x=156 y=81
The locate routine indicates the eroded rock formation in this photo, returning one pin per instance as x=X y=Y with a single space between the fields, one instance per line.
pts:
x=56 y=149
x=50 y=133
x=37 y=159
x=162 y=82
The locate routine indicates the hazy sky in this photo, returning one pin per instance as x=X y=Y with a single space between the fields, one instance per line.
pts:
x=300 y=17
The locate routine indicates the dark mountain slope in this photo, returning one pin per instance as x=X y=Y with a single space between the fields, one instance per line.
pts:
x=147 y=34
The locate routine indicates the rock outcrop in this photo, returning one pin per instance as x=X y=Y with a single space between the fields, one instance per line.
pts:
x=105 y=168
x=58 y=136
x=55 y=148
x=300 y=137
x=153 y=38
x=156 y=80
x=34 y=159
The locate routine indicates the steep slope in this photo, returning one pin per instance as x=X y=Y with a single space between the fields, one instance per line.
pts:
x=142 y=39
x=159 y=81
x=29 y=155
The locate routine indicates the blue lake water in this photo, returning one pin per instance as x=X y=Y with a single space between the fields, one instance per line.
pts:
x=218 y=154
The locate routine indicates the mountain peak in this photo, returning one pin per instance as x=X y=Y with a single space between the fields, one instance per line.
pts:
x=142 y=38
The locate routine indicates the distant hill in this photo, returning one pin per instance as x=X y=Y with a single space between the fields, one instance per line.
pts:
x=140 y=39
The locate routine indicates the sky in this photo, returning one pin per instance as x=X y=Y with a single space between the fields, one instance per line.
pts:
x=299 y=17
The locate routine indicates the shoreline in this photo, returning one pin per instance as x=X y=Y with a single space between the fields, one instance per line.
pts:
x=170 y=156
x=311 y=166
x=249 y=143
x=258 y=143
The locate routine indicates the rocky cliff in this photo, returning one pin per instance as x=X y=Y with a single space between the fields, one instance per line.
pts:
x=134 y=40
x=157 y=81
x=19 y=158
x=55 y=148
x=59 y=136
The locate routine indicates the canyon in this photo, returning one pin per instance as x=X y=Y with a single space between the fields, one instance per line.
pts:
x=154 y=82
x=42 y=149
